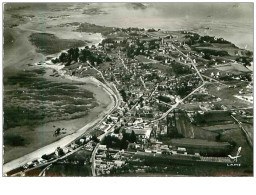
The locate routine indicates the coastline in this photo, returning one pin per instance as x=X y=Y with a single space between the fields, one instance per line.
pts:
x=105 y=106
x=69 y=138
x=42 y=134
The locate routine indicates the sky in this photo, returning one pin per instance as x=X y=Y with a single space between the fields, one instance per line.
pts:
x=232 y=21
x=242 y=12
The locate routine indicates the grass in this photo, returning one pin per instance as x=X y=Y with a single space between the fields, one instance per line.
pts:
x=143 y=59
x=80 y=155
x=233 y=68
x=198 y=142
x=227 y=94
x=97 y=133
x=68 y=170
x=188 y=130
x=209 y=118
x=163 y=68
x=14 y=140
x=203 y=147
x=220 y=127
x=92 y=28
x=50 y=44
x=237 y=137
x=31 y=100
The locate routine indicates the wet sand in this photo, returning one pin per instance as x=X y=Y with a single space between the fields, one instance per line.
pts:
x=106 y=103
x=43 y=135
x=20 y=53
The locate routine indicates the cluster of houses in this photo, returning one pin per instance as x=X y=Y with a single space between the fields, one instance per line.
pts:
x=105 y=160
x=108 y=159
x=142 y=86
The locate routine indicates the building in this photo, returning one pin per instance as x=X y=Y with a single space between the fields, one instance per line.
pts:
x=140 y=132
x=102 y=147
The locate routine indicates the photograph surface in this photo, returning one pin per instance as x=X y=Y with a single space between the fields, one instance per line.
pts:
x=127 y=89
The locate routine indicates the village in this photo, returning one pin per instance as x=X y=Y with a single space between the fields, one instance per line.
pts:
x=166 y=86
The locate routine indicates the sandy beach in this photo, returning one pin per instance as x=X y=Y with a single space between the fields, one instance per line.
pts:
x=95 y=116
x=42 y=135
x=20 y=53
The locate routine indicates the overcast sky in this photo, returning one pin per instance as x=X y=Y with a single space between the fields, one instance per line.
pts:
x=242 y=12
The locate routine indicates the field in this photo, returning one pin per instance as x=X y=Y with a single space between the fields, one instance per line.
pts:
x=165 y=168
x=191 y=170
x=220 y=127
x=143 y=59
x=233 y=68
x=203 y=147
x=68 y=170
x=39 y=100
x=189 y=130
x=77 y=164
x=198 y=143
x=238 y=138
x=80 y=155
x=227 y=95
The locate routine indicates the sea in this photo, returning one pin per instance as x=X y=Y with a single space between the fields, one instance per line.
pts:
x=238 y=32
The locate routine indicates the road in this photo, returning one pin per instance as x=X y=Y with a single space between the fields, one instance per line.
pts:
x=54 y=160
x=193 y=64
x=117 y=102
x=212 y=79
x=248 y=138
x=143 y=83
x=42 y=173
x=122 y=61
x=68 y=139
x=178 y=102
x=93 y=159
x=115 y=95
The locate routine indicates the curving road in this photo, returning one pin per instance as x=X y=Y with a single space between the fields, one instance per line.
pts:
x=66 y=140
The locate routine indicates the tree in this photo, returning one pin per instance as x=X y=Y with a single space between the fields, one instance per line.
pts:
x=95 y=139
x=63 y=57
x=132 y=137
x=123 y=94
x=123 y=143
x=151 y=30
x=180 y=69
x=141 y=99
x=164 y=99
x=243 y=60
x=117 y=130
x=56 y=60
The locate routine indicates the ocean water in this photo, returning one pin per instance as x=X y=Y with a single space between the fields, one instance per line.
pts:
x=226 y=20
x=238 y=30
x=240 y=34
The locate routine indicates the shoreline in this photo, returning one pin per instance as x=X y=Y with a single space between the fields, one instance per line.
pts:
x=42 y=134
x=69 y=138
x=92 y=83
